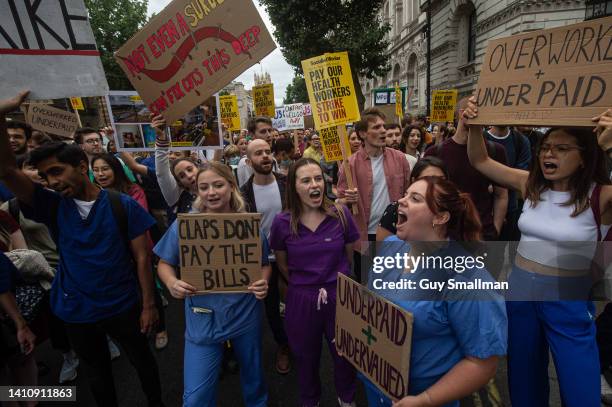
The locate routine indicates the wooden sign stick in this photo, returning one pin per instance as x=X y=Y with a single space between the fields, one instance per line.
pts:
x=347 y=168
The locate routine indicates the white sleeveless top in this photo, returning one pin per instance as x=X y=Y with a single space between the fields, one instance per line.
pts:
x=552 y=237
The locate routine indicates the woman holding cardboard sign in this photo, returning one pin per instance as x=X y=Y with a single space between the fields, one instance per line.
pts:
x=458 y=333
x=568 y=203
x=313 y=242
x=214 y=318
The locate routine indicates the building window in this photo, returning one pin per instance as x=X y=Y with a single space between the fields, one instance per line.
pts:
x=472 y=37
x=597 y=9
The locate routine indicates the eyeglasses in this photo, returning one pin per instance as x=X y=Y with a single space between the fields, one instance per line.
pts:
x=93 y=141
x=560 y=149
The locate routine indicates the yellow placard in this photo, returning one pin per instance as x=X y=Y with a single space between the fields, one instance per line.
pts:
x=77 y=103
x=399 y=111
x=331 y=90
x=263 y=99
x=229 y=112
x=330 y=143
x=443 y=104
x=135 y=98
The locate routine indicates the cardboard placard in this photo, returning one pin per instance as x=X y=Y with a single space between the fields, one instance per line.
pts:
x=220 y=252
x=192 y=49
x=49 y=48
x=374 y=335
x=51 y=120
x=443 y=104
x=556 y=77
x=229 y=112
x=263 y=100
x=330 y=143
x=77 y=103
x=294 y=116
x=331 y=90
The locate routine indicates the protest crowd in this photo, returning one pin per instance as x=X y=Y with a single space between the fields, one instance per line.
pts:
x=266 y=235
x=80 y=217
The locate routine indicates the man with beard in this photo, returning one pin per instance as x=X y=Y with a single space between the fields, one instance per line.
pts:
x=394 y=135
x=19 y=133
x=259 y=128
x=104 y=283
x=89 y=140
x=264 y=193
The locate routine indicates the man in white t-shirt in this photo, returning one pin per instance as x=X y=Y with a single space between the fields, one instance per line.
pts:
x=264 y=192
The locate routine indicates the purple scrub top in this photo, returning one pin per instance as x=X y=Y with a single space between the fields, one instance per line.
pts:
x=314 y=258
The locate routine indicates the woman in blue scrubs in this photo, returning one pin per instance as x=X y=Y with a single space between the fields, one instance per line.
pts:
x=214 y=318
x=458 y=334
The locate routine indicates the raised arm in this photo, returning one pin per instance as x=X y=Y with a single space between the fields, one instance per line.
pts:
x=12 y=176
x=603 y=130
x=133 y=165
x=479 y=157
x=169 y=188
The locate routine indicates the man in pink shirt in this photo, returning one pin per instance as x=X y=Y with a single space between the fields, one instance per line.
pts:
x=380 y=176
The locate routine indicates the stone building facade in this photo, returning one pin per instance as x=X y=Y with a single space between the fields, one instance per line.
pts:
x=460 y=31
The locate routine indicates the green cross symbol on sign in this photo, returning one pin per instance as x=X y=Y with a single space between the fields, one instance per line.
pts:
x=369 y=335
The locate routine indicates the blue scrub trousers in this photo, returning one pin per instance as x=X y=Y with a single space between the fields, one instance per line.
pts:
x=203 y=364
x=568 y=329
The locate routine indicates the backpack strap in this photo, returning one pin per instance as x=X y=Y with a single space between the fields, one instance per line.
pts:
x=13 y=207
x=594 y=201
x=119 y=213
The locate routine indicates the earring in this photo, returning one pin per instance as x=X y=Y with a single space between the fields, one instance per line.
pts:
x=433 y=225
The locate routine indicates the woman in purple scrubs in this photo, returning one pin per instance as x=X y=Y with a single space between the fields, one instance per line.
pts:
x=313 y=241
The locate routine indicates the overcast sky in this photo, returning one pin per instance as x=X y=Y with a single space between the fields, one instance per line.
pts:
x=275 y=64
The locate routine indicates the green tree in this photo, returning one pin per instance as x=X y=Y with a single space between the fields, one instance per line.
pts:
x=307 y=28
x=114 y=22
x=296 y=91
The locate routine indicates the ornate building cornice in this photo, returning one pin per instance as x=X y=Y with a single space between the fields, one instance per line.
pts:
x=525 y=7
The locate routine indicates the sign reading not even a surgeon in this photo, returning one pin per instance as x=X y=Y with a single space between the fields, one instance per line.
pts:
x=556 y=77
x=48 y=47
x=191 y=50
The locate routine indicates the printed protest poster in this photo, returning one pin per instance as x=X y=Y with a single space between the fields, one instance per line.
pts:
x=307 y=109
x=294 y=115
x=443 y=103
x=555 y=77
x=77 y=103
x=46 y=40
x=229 y=112
x=278 y=121
x=199 y=129
x=192 y=49
x=399 y=108
x=263 y=100
x=330 y=89
x=52 y=120
x=330 y=143
x=374 y=335
x=220 y=252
